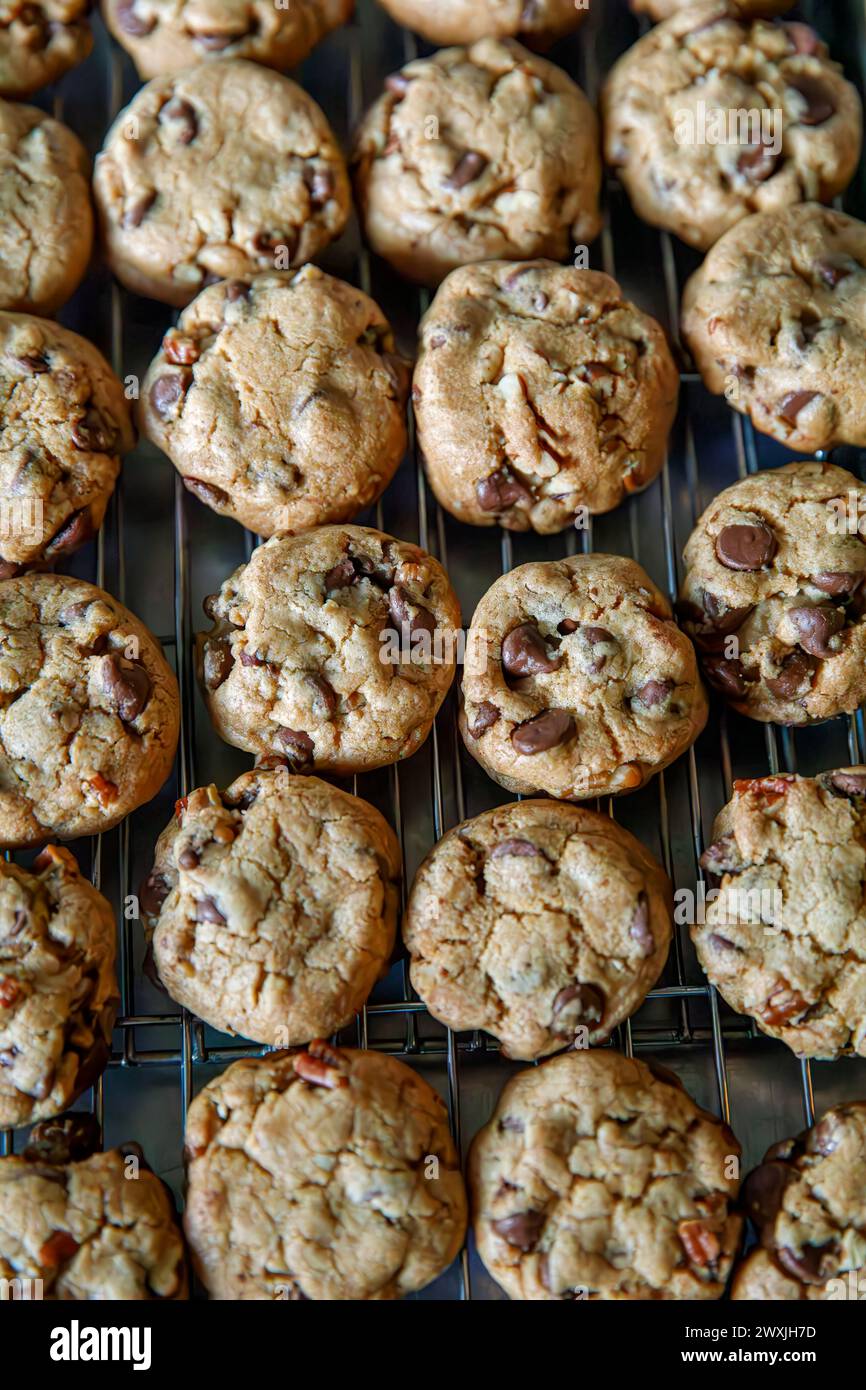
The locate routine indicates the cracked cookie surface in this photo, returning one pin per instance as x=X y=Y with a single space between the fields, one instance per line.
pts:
x=332 y=650
x=536 y=23
x=599 y=1177
x=262 y=428
x=539 y=390
x=277 y=905
x=539 y=922
x=785 y=940
x=89 y=710
x=701 y=69
x=310 y=1177
x=476 y=154
x=580 y=682
x=167 y=35
x=808 y=1202
x=40 y=40
x=185 y=182
x=46 y=221
x=775 y=321
x=773 y=593
x=101 y=1227
x=58 y=991
x=64 y=422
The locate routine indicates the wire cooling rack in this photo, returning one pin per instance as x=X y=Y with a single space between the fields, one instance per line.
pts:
x=160 y=552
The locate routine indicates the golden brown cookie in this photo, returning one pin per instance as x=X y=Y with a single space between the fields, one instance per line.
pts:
x=663 y=9
x=40 y=40
x=536 y=23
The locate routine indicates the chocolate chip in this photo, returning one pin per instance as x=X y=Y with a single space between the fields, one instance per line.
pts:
x=848 y=783
x=762 y=1192
x=501 y=491
x=153 y=893
x=215 y=42
x=266 y=242
x=299 y=747
x=251 y=659
x=207 y=911
x=795 y=677
x=804 y=1264
x=720 y=943
x=520 y=848
x=815 y=627
x=138 y=209
x=217 y=662
x=485 y=718
x=341 y=576
x=820 y=105
x=468 y=168
x=208 y=493
x=727 y=675
x=583 y=1004
x=597 y=635
x=545 y=731
x=33 y=363
x=790 y=406
x=833 y=272
x=94 y=433
x=653 y=693
x=180 y=113
x=8 y=570
x=319 y=184
x=758 y=163
x=65 y=1139
x=128 y=687
x=724 y=620
x=804 y=38
x=401 y=606
x=235 y=290
x=837 y=583
x=745 y=547
x=76 y=531
x=188 y=859
x=325 y=698
x=522 y=1230
x=167 y=390
x=131 y=22
x=524 y=652
x=722 y=857
x=639 y=930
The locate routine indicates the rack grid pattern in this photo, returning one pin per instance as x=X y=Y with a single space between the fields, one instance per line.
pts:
x=692 y=1016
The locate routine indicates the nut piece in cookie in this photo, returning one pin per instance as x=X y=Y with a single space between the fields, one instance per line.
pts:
x=64 y=424
x=568 y=1195
x=329 y=1149
x=543 y=923
x=773 y=593
x=89 y=710
x=185 y=183
x=774 y=321
x=477 y=154
x=536 y=23
x=167 y=35
x=716 y=114
x=807 y=1201
x=40 y=40
x=58 y=990
x=272 y=906
x=83 y=1224
x=540 y=394
x=330 y=651
x=785 y=939
x=580 y=682
x=264 y=430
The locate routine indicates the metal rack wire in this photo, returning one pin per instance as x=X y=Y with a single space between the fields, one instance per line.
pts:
x=441 y=785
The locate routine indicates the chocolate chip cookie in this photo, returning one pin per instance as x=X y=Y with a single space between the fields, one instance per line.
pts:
x=773 y=593
x=64 y=422
x=332 y=650
x=40 y=40
x=784 y=940
x=711 y=116
x=774 y=319
x=264 y=430
x=579 y=684
x=46 y=221
x=186 y=185
x=323 y=1174
x=167 y=35
x=88 y=710
x=273 y=905
x=599 y=1177
x=78 y=1225
x=808 y=1202
x=537 y=23
x=663 y=9
x=543 y=923
x=540 y=393
x=58 y=992
x=477 y=154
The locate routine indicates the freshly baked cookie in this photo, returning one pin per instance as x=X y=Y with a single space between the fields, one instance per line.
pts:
x=808 y=1202
x=757 y=1279
x=773 y=593
x=225 y=169
x=88 y=710
x=663 y=9
x=332 y=650
x=167 y=35
x=579 y=684
x=785 y=939
x=324 y=1174
x=273 y=905
x=539 y=392
x=710 y=117
x=87 y=1225
x=58 y=991
x=543 y=923
x=775 y=320
x=64 y=422
x=599 y=1177
x=40 y=40
x=264 y=430
x=474 y=154
x=537 y=23
x=46 y=221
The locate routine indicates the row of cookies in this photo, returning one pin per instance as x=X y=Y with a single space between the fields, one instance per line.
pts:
x=299 y=1162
